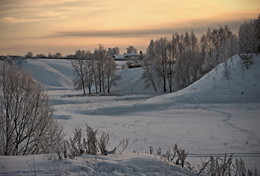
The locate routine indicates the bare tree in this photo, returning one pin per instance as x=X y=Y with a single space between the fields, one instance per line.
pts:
x=131 y=50
x=249 y=37
x=110 y=76
x=26 y=123
x=100 y=56
x=112 y=51
x=29 y=55
x=149 y=75
x=89 y=71
x=80 y=70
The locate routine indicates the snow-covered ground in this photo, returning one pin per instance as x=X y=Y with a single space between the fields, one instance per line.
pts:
x=125 y=164
x=213 y=116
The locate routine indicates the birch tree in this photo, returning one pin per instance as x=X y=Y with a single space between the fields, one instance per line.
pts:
x=79 y=68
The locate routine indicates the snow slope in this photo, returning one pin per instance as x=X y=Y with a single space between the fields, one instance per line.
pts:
x=58 y=74
x=243 y=86
x=51 y=73
x=131 y=82
x=213 y=116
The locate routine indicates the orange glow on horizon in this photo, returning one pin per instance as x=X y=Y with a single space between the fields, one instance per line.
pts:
x=45 y=26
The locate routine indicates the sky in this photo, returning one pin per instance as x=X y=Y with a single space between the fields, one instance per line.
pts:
x=48 y=26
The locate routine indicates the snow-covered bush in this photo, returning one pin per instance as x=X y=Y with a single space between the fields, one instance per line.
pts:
x=217 y=166
x=103 y=143
x=178 y=156
x=26 y=123
x=92 y=140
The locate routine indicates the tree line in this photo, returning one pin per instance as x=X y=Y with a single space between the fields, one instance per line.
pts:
x=172 y=64
x=110 y=51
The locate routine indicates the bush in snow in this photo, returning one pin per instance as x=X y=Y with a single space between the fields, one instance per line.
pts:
x=217 y=166
x=26 y=123
x=74 y=145
x=92 y=141
x=91 y=144
x=78 y=145
x=103 y=143
x=178 y=156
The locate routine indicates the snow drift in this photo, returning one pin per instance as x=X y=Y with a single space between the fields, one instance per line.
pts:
x=242 y=86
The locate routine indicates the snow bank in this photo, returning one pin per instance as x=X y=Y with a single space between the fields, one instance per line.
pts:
x=125 y=164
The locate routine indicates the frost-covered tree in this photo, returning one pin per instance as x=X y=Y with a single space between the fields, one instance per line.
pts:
x=188 y=59
x=176 y=63
x=131 y=50
x=104 y=72
x=26 y=123
x=57 y=55
x=150 y=68
x=29 y=55
x=79 y=68
x=100 y=56
x=158 y=65
x=112 y=51
x=249 y=37
x=110 y=74
x=217 y=45
x=161 y=47
x=89 y=74
x=167 y=61
x=187 y=68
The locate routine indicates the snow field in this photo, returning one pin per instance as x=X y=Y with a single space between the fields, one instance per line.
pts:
x=213 y=116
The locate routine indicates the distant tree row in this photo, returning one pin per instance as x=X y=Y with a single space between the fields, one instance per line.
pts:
x=110 y=52
x=176 y=63
x=249 y=37
x=172 y=64
x=95 y=69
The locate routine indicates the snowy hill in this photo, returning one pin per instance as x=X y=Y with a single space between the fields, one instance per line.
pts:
x=131 y=82
x=56 y=74
x=51 y=73
x=243 y=86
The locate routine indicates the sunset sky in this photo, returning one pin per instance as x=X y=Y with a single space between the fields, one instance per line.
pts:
x=48 y=26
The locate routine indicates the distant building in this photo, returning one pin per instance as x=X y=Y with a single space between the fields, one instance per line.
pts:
x=132 y=55
x=125 y=57
x=119 y=57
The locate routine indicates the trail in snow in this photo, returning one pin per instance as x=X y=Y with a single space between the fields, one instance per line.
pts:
x=227 y=117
